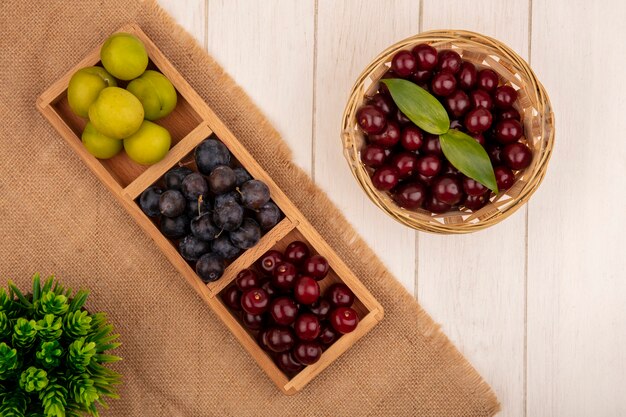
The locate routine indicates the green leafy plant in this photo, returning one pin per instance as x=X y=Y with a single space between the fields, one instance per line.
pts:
x=423 y=109
x=53 y=353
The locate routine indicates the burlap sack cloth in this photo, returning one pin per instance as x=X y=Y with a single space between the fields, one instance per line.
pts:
x=179 y=360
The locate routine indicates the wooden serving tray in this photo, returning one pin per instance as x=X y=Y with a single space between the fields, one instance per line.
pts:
x=190 y=123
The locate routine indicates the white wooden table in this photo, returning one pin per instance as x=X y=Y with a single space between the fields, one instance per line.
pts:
x=537 y=303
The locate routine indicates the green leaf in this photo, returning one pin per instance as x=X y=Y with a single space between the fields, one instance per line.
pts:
x=469 y=157
x=421 y=107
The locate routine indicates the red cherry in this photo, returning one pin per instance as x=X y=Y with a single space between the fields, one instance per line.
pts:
x=255 y=301
x=421 y=77
x=481 y=98
x=428 y=165
x=467 y=76
x=479 y=138
x=403 y=63
x=307 y=353
x=447 y=189
x=384 y=103
x=457 y=103
x=426 y=56
x=371 y=119
x=505 y=96
x=382 y=88
x=405 y=163
x=478 y=120
x=425 y=180
x=388 y=137
x=401 y=118
x=253 y=321
x=508 y=131
x=476 y=202
x=449 y=61
x=316 y=267
x=288 y=364
x=269 y=289
x=284 y=275
x=232 y=298
x=436 y=206
x=410 y=195
x=487 y=80
x=261 y=339
x=321 y=308
x=432 y=145
x=494 y=152
x=450 y=169
x=504 y=177
x=339 y=295
x=280 y=339
x=306 y=290
x=411 y=138
x=385 y=178
x=473 y=187
x=283 y=310
x=269 y=261
x=296 y=252
x=517 y=155
x=327 y=334
x=247 y=279
x=344 y=319
x=307 y=326
x=509 y=114
x=443 y=84
x=373 y=155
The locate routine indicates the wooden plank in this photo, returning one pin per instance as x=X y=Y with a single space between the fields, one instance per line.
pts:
x=190 y=14
x=475 y=284
x=267 y=47
x=349 y=36
x=576 y=225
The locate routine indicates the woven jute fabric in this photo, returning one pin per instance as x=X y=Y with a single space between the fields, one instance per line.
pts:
x=179 y=360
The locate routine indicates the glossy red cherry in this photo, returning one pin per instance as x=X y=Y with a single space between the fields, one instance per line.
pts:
x=373 y=155
x=425 y=180
x=401 y=118
x=447 y=189
x=269 y=260
x=247 y=279
x=384 y=103
x=481 y=98
x=284 y=275
x=316 y=267
x=473 y=187
x=261 y=339
x=436 y=206
x=385 y=178
x=411 y=138
x=321 y=308
x=449 y=169
x=344 y=319
x=232 y=298
x=327 y=334
x=432 y=145
x=505 y=96
x=269 y=288
x=479 y=138
x=255 y=301
x=388 y=137
x=253 y=321
x=494 y=153
x=422 y=77
x=517 y=156
x=339 y=295
x=476 y=202
x=508 y=131
x=426 y=56
x=371 y=119
x=296 y=252
x=307 y=353
x=478 y=120
x=449 y=61
x=283 y=310
x=307 y=326
x=457 y=103
x=487 y=80
x=467 y=76
x=306 y=290
x=410 y=195
x=382 y=88
x=405 y=163
x=504 y=177
x=509 y=114
x=280 y=339
x=429 y=165
x=288 y=364
x=403 y=63
x=443 y=84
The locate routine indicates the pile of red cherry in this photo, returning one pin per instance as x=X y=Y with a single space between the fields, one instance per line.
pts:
x=409 y=163
x=280 y=300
